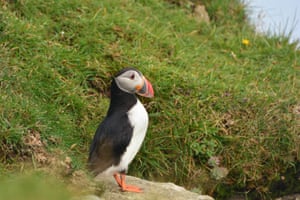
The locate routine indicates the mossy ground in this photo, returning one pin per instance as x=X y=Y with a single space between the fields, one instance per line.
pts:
x=215 y=95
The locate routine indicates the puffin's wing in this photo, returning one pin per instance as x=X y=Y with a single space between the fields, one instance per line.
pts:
x=109 y=143
x=101 y=155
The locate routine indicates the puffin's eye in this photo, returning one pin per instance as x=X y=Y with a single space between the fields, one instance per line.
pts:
x=132 y=76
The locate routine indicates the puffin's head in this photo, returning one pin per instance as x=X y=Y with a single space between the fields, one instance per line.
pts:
x=132 y=81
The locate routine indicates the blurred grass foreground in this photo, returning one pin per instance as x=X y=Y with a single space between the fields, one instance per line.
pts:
x=226 y=114
x=32 y=187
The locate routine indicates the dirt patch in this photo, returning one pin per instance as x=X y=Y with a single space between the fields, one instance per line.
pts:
x=6 y=151
x=195 y=7
x=34 y=147
x=32 y=155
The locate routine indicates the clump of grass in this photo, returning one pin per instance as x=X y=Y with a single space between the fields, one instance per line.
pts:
x=215 y=96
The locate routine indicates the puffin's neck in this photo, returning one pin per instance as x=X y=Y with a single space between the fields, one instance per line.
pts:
x=120 y=100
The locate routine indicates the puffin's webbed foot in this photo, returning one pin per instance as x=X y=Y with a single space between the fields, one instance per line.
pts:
x=120 y=179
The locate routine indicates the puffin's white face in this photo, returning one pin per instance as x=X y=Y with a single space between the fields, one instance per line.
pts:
x=132 y=81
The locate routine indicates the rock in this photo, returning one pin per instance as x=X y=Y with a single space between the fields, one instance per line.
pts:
x=290 y=197
x=200 y=14
x=151 y=190
x=87 y=197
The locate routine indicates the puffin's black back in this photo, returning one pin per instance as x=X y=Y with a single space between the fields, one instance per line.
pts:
x=114 y=133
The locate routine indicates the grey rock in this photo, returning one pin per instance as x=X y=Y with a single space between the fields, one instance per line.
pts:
x=290 y=197
x=151 y=190
x=87 y=197
x=200 y=14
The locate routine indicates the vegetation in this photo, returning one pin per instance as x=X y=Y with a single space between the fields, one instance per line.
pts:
x=224 y=94
x=32 y=187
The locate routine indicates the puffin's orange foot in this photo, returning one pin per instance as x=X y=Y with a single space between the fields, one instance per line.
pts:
x=131 y=188
x=120 y=179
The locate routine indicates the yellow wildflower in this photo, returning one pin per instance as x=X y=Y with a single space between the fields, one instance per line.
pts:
x=245 y=42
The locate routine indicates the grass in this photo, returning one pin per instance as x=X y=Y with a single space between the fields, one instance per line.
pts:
x=215 y=96
x=32 y=187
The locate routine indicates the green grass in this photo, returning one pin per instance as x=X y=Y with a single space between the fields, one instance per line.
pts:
x=32 y=187
x=214 y=95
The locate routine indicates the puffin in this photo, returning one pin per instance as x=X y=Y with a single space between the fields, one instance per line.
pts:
x=120 y=135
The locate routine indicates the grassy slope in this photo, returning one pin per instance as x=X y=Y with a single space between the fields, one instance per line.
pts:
x=214 y=95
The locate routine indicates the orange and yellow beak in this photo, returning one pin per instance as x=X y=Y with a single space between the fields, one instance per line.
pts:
x=146 y=90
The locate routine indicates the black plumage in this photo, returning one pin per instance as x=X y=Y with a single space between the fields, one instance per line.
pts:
x=112 y=137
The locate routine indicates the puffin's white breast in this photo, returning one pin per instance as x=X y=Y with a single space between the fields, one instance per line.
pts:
x=138 y=117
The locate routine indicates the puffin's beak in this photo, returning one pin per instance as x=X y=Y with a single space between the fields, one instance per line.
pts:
x=146 y=90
